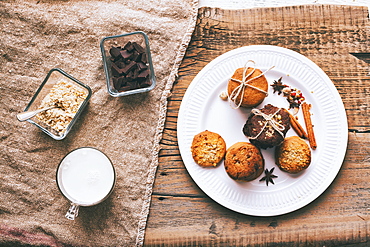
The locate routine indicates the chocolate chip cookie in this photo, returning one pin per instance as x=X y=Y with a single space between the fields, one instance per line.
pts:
x=244 y=161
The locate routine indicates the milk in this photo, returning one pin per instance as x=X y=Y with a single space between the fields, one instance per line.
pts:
x=86 y=176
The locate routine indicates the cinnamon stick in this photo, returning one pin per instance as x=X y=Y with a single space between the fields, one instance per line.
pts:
x=297 y=126
x=307 y=119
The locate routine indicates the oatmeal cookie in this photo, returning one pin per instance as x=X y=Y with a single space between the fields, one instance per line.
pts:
x=208 y=149
x=293 y=155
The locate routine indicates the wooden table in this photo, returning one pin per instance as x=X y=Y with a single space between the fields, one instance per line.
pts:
x=336 y=38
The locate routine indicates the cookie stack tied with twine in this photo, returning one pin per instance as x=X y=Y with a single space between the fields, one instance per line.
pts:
x=247 y=87
x=267 y=127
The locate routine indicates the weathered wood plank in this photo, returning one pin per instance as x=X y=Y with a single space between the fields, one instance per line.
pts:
x=240 y=230
x=182 y=215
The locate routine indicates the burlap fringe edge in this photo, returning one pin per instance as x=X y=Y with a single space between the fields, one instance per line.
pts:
x=160 y=126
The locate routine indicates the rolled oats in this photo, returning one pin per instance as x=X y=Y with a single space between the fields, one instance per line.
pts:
x=68 y=97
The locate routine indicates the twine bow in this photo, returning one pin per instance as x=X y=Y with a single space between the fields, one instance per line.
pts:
x=240 y=89
x=269 y=120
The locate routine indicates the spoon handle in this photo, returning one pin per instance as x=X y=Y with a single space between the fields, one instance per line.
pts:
x=28 y=114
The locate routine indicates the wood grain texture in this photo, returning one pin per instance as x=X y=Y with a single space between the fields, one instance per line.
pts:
x=182 y=215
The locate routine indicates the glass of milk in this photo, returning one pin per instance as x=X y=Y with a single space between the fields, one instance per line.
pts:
x=86 y=177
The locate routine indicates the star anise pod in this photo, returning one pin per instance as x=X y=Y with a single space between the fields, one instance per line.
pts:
x=269 y=176
x=278 y=86
x=294 y=104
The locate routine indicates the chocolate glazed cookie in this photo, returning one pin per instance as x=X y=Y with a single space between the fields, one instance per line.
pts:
x=267 y=127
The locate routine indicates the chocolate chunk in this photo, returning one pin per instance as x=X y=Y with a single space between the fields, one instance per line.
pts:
x=132 y=84
x=120 y=82
x=145 y=83
x=126 y=54
x=116 y=83
x=120 y=64
x=124 y=88
x=129 y=67
x=115 y=52
x=123 y=80
x=144 y=58
x=135 y=56
x=130 y=75
x=136 y=73
x=129 y=47
x=115 y=70
x=141 y=66
x=138 y=47
x=143 y=74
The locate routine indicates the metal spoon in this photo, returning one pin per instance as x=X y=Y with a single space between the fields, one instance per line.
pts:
x=28 y=114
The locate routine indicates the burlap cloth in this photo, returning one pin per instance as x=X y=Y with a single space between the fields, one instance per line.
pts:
x=37 y=36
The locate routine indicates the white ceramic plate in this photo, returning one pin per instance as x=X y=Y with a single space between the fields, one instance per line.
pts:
x=202 y=109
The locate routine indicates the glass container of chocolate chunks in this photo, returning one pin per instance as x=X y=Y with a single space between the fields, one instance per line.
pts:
x=127 y=64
